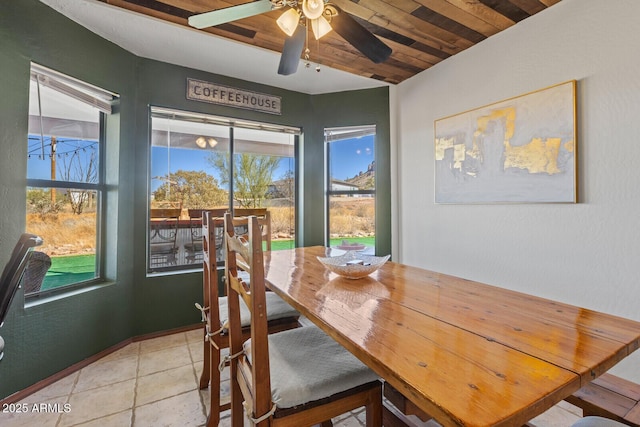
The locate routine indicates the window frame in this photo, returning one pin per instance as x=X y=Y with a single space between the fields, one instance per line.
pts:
x=102 y=101
x=232 y=124
x=352 y=132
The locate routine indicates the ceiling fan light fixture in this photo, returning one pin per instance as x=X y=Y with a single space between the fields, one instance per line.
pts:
x=312 y=9
x=320 y=27
x=288 y=21
x=201 y=142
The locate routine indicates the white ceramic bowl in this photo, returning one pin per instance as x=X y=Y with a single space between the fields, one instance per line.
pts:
x=353 y=265
x=347 y=246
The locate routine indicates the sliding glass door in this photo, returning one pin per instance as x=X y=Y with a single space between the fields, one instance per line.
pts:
x=201 y=162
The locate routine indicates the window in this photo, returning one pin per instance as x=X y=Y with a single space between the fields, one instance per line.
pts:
x=65 y=179
x=351 y=187
x=192 y=159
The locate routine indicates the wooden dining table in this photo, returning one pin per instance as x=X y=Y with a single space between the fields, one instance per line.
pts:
x=466 y=353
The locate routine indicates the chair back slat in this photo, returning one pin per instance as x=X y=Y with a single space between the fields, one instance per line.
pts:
x=264 y=220
x=238 y=244
x=210 y=270
x=259 y=381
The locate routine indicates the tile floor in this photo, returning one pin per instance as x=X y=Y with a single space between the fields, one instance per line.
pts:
x=155 y=383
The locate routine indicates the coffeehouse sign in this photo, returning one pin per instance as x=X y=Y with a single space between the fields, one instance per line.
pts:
x=198 y=90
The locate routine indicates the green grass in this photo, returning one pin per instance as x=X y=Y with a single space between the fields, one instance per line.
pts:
x=278 y=245
x=66 y=270
x=368 y=241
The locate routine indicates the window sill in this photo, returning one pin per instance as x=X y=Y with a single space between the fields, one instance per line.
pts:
x=176 y=272
x=37 y=300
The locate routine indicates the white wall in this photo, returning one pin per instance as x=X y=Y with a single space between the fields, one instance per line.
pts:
x=586 y=254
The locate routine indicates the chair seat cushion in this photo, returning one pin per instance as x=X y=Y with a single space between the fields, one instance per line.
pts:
x=193 y=247
x=162 y=248
x=276 y=309
x=597 y=422
x=308 y=365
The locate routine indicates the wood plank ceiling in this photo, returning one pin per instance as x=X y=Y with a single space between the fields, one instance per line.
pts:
x=421 y=33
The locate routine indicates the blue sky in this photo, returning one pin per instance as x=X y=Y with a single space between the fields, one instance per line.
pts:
x=348 y=158
x=192 y=160
x=351 y=156
x=40 y=168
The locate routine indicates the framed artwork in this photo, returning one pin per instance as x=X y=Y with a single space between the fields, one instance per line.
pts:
x=520 y=150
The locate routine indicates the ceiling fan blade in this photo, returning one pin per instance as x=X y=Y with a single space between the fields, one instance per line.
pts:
x=361 y=38
x=291 y=52
x=228 y=14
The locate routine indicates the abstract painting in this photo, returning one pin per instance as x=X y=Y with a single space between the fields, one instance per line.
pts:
x=520 y=150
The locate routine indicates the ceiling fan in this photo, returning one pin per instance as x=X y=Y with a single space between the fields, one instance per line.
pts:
x=321 y=15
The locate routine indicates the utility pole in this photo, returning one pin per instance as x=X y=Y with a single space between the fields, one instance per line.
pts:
x=53 y=168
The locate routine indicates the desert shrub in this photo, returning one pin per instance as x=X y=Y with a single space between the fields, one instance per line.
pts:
x=282 y=221
x=352 y=216
x=39 y=202
x=65 y=234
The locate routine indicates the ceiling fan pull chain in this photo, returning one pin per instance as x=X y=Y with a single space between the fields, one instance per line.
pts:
x=319 y=56
x=306 y=44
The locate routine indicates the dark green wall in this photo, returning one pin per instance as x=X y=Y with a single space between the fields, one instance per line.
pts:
x=369 y=107
x=48 y=336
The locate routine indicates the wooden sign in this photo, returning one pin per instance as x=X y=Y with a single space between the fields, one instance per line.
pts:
x=198 y=90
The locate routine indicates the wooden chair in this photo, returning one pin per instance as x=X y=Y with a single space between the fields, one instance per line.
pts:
x=215 y=314
x=163 y=236
x=264 y=220
x=294 y=378
x=193 y=248
x=609 y=396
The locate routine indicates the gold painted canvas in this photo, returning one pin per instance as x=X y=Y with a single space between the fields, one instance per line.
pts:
x=521 y=150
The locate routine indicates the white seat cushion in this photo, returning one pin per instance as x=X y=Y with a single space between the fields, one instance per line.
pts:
x=307 y=365
x=597 y=422
x=276 y=309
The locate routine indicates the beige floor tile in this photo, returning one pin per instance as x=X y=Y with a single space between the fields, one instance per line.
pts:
x=570 y=408
x=204 y=398
x=43 y=413
x=196 y=335
x=99 y=402
x=225 y=420
x=184 y=410
x=162 y=384
x=105 y=373
x=348 y=422
x=161 y=343
x=162 y=360
x=166 y=394
x=62 y=387
x=225 y=374
x=557 y=416
x=198 y=366
x=121 y=419
x=225 y=388
x=127 y=351
x=224 y=392
x=197 y=351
